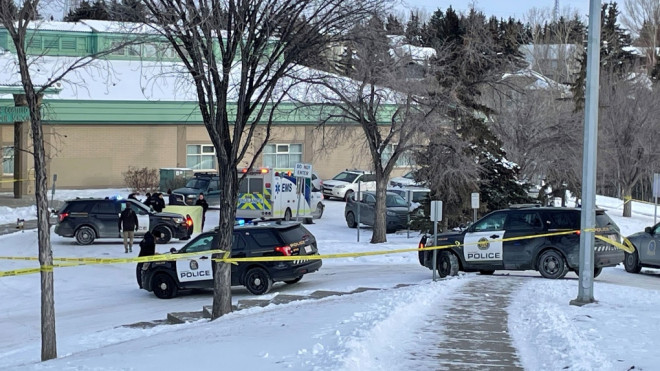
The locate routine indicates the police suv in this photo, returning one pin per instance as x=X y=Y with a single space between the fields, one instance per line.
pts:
x=489 y=244
x=265 y=239
x=87 y=219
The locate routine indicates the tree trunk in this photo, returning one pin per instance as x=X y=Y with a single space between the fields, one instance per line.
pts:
x=380 y=212
x=627 y=201
x=222 y=274
x=48 y=335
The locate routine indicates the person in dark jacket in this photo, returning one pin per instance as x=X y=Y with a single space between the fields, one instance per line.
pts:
x=147 y=200
x=147 y=248
x=158 y=202
x=132 y=196
x=172 y=199
x=205 y=206
x=128 y=224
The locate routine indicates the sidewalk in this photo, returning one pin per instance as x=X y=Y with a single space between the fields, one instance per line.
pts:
x=7 y=200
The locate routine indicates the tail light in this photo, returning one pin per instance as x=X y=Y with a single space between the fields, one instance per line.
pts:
x=189 y=221
x=285 y=250
x=578 y=232
x=422 y=243
x=62 y=216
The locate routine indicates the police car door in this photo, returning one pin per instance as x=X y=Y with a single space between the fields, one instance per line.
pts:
x=142 y=214
x=483 y=241
x=197 y=270
x=523 y=223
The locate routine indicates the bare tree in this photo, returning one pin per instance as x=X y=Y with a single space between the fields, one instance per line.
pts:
x=642 y=18
x=378 y=96
x=237 y=53
x=628 y=131
x=38 y=75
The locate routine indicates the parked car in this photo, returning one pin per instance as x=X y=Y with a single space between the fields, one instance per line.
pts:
x=418 y=195
x=397 y=211
x=266 y=239
x=207 y=183
x=480 y=247
x=345 y=184
x=408 y=179
x=646 y=250
x=88 y=219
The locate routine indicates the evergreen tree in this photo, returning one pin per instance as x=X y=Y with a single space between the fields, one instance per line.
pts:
x=394 y=26
x=413 y=30
x=98 y=10
x=613 y=56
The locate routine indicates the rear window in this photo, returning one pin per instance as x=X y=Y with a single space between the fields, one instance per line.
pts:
x=104 y=208
x=75 y=207
x=603 y=220
x=264 y=238
x=295 y=234
x=564 y=220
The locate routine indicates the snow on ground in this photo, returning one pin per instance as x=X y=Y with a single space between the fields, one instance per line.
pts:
x=373 y=330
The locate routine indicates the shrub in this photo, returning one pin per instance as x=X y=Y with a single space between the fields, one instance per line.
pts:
x=141 y=180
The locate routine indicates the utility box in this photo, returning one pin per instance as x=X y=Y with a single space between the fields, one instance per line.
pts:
x=174 y=177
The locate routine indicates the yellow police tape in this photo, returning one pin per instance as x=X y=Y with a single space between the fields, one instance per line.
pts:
x=626 y=246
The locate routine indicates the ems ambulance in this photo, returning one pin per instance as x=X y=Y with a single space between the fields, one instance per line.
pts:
x=268 y=193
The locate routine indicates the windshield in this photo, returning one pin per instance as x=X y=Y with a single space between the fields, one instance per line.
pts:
x=395 y=200
x=346 y=177
x=197 y=183
x=410 y=175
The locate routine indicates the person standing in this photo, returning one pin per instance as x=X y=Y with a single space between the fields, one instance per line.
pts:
x=128 y=224
x=147 y=248
x=158 y=202
x=205 y=206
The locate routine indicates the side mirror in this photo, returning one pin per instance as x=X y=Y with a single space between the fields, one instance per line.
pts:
x=173 y=250
x=648 y=230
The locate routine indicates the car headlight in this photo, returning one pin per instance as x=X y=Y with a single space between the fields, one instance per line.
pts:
x=391 y=213
x=178 y=220
x=340 y=186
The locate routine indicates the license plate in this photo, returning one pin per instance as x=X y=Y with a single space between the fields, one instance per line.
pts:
x=308 y=249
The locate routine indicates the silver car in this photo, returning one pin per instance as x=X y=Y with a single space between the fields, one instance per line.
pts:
x=646 y=245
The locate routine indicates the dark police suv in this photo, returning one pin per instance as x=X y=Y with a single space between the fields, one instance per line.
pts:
x=265 y=239
x=553 y=256
x=87 y=219
x=646 y=243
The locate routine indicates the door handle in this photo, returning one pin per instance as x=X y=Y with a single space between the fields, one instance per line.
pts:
x=203 y=258
x=495 y=236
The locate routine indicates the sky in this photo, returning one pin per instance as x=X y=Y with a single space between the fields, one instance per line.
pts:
x=371 y=330
x=499 y=8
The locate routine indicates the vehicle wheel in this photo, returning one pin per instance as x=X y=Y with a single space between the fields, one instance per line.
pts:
x=85 y=235
x=165 y=234
x=295 y=280
x=597 y=272
x=486 y=273
x=552 y=265
x=318 y=213
x=348 y=195
x=163 y=286
x=350 y=220
x=631 y=262
x=287 y=215
x=447 y=264
x=257 y=281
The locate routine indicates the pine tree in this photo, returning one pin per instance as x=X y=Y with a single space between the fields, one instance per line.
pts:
x=413 y=30
x=394 y=26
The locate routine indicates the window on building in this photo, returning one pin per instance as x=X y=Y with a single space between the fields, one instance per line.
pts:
x=8 y=160
x=282 y=155
x=201 y=156
x=149 y=50
x=405 y=159
x=118 y=51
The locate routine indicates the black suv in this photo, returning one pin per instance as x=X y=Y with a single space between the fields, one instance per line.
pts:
x=206 y=183
x=265 y=239
x=87 y=219
x=480 y=248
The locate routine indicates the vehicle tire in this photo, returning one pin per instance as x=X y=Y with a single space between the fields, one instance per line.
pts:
x=165 y=234
x=348 y=195
x=318 y=213
x=295 y=280
x=85 y=235
x=287 y=215
x=447 y=264
x=597 y=272
x=350 y=220
x=552 y=265
x=257 y=281
x=486 y=273
x=163 y=286
x=631 y=262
